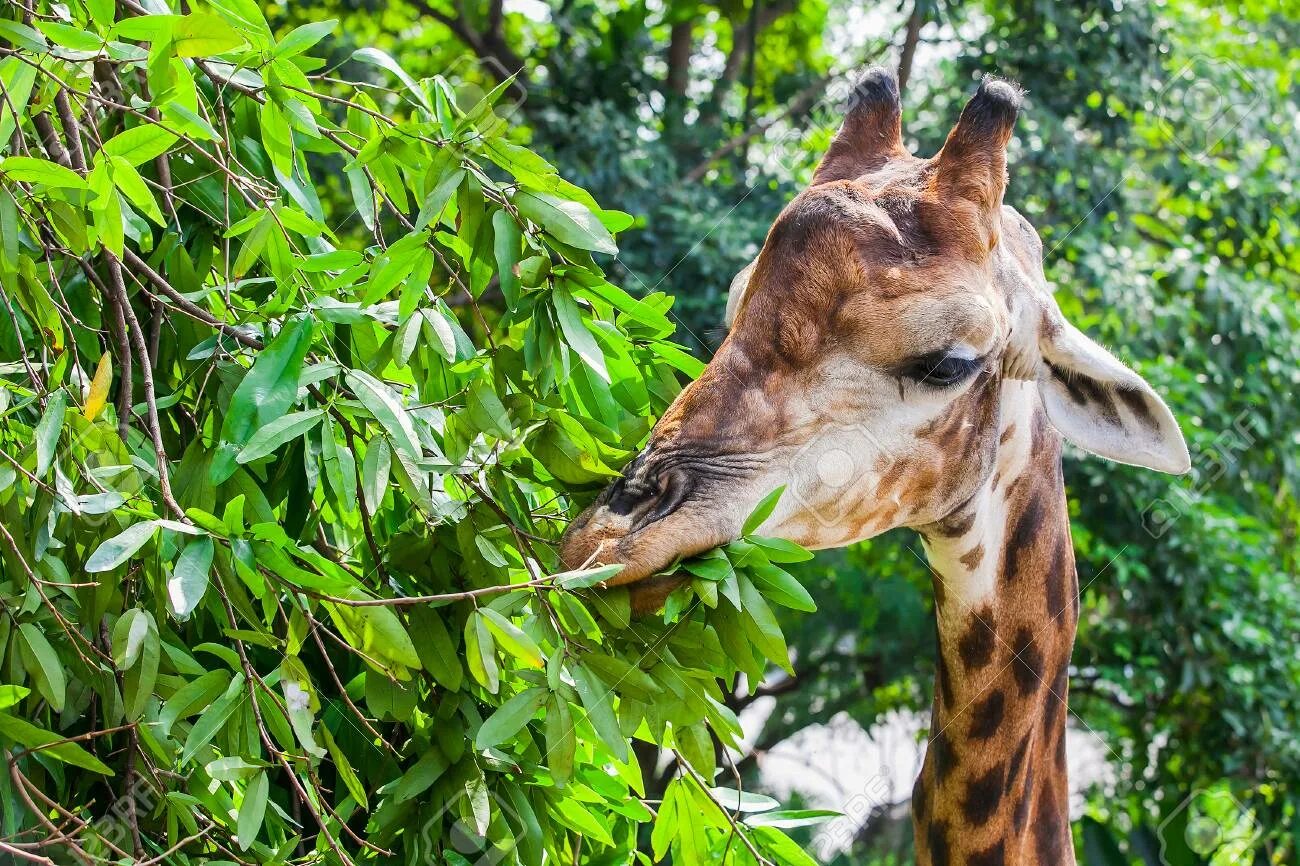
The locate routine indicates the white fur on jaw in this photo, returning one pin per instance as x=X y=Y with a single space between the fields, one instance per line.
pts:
x=855 y=429
x=966 y=587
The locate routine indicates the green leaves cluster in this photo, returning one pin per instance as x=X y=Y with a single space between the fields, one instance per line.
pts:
x=300 y=381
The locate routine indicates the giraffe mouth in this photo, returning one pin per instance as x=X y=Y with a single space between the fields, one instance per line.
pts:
x=643 y=542
x=646 y=525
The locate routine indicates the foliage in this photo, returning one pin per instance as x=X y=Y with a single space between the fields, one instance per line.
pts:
x=281 y=489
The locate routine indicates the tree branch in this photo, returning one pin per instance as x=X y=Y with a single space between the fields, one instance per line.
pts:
x=912 y=35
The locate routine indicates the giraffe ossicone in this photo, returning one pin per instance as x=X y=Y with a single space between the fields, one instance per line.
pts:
x=896 y=359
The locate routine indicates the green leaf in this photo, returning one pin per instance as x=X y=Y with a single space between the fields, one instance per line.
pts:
x=513 y=639
x=784 y=850
x=10 y=695
x=374 y=472
x=277 y=137
x=781 y=587
x=29 y=736
x=345 y=770
x=214 y=718
x=252 y=810
x=254 y=243
x=234 y=769
x=129 y=182
x=480 y=653
x=29 y=169
x=138 y=684
x=570 y=222
x=265 y=393
x=437 y=199
x=576 y=333
x=691 y=846
x=23 y=37
x=44 y=666
x=506 y=239
x=377 y=632
x=788 y=819
x=665 y=828
x=17 y=79
x=696 y=746
x=762 y=511
x=376 y=57
x=600 y=711
x=363 y=195
x=713 y=565
x=586 y=577
x=579 y=817
x=284 y=429
x=447 y=337
x=510 y=717
x=144 y=28
x=742 y=801
x=303 y=37
x=533 y=270
x=47 y=431
x=561 y=742
x=387 y=409
x=623 y=677
x=128 y=638
x=189 y=580
x=139 y=144
x=421 y=776
x=120 y=547
x=761 y=625
x=191 y=698
x=202 y=34
x=70 y=37
x=780 y=550
x=486 y=411
x=438 y=652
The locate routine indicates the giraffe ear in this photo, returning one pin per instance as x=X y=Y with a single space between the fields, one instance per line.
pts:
x=1101 y=405
x=973 y=162
x=736 y=294
x=872 y=132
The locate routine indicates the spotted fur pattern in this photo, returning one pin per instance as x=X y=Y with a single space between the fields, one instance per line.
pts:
x=993 y=789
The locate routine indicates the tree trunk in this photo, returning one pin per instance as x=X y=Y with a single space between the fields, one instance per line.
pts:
x=679 y=58
x=914 y=24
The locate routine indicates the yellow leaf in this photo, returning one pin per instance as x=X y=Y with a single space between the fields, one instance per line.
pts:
x=98 y=395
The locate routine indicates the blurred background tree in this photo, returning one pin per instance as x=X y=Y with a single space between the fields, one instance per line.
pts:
x=1156 y=159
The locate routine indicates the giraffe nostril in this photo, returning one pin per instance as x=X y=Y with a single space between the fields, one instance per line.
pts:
x=671 y=493
x=627 y=495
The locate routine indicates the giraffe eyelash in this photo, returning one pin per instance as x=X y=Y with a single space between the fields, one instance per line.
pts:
x=941 y=369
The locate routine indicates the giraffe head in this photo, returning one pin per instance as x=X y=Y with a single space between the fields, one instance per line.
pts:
x=868 y=346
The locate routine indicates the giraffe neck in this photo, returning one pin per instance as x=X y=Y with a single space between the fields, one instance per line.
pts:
x=993 y=788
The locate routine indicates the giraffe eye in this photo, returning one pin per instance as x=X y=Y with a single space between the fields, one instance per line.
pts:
x=941 y=369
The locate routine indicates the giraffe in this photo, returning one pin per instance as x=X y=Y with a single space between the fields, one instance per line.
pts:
x=896 y=359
